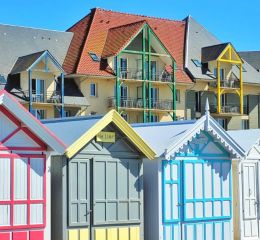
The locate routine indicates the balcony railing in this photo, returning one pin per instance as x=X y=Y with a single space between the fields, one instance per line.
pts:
x=226 y=109
x=46 y=97
x=227 y=83
x=138 y=103
x=135 y=73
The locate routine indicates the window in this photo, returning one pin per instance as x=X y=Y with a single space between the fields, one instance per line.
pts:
x=124 y=92
x=245 y=124
x=123 y=68
x=22 y=197
x=94 y=57
x=222 y=122
x=197 y=62
x=198 y=101
x=222 y=73
x=37 y=90
x=124 y=116
x=178 y=95
x=93 y=89
x=67 y=113
x=243 y=68
x=154 y=118
x=38 y=113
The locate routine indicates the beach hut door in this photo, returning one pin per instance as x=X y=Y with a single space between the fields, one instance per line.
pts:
x=250 y=202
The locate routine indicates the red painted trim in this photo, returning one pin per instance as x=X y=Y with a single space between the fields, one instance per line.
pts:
x=34 y=137
x=12 y=193
x=10 y=135
x=28 y=191
x=3 y=92
x=2 y=148
x=28 y=201
x=10 y=116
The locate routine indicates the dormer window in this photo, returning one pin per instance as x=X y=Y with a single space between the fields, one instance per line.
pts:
x=243 y=68
x=197 y=62
x=94 y=57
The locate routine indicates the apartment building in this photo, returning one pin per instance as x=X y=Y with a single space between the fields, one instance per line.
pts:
x=130 y=63
x=149 y=69
x=31 y=69
x=220 y=74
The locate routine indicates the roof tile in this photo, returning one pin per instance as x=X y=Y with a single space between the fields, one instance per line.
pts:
x=171 y=33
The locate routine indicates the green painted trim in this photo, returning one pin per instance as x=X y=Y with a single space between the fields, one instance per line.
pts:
x=161 y=44
x=117 y=83
x=174 y=90
x=149 y=75
x=144 y=74
x=140 y=53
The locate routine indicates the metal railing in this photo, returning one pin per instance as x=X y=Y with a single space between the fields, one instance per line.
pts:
x=46 y=97
x=138 y=103
x=227 y=83
x=135 y=73
x=226 y=109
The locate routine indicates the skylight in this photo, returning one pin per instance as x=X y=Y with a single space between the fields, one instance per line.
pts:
x=197 y=62
x=243 y=68
x=94 y=57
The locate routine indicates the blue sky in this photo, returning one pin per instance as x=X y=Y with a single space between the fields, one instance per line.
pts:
x=236 y=21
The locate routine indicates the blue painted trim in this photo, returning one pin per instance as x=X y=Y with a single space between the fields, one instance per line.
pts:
x=172 y=182
x=44 y=55
x=30 y=90
x=204 y=200
x=62 y=113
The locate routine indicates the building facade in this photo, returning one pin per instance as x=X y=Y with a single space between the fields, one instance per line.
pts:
x=31 y=69
x=148 y=69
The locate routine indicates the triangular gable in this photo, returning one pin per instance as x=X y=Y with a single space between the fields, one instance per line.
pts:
x=224 y=52
x=22 y=125
x=229 y=54
x=43 y=60
x=119 y=37
x=211 y=126
x=111 y=117
x=14 y=135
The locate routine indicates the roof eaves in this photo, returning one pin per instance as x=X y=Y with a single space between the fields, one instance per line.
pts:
x=111 y=116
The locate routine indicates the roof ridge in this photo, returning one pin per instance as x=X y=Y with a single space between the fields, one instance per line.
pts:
x=33 y=28
x=226 y=43
x=140 y=15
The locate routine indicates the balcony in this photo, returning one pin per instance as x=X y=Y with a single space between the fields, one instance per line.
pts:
x=138 y=103
x=227 y=83
x=136 y=74
x=47 y=97
x=231 y=109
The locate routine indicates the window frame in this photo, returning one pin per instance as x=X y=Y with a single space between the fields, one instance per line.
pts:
x=94 y=57
x=90 y=89
x=196 y=62
x=28 y=202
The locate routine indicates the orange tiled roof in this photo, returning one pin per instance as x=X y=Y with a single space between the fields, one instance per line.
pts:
x=118 y=37
x=171 y=33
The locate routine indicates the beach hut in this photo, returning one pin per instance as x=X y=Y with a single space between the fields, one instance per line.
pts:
x=188 y=190
x=246 y=177
x=25 y=149
x=97 y=185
